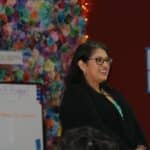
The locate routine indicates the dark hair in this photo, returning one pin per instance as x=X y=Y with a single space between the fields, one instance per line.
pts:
x=83 y=52
x=87 y=138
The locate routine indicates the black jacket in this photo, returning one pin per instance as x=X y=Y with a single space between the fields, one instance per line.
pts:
x=83 y=106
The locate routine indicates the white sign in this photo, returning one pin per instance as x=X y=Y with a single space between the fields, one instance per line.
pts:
x=148 y=68
x=21 y=125
x=11 y=58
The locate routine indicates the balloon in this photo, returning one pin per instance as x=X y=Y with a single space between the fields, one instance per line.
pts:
x=54 y=36
x=10 y=3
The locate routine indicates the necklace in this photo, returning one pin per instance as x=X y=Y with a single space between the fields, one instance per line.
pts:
x=113 y=102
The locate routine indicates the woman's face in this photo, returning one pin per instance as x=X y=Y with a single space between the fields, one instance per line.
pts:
x=96 y=69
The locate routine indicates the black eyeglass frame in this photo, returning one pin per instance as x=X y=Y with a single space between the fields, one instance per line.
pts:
x=100 y=60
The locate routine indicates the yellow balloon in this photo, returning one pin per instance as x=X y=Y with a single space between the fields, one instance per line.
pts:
x=49 y=66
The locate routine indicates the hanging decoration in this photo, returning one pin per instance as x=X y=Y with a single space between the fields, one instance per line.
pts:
x=47 y=32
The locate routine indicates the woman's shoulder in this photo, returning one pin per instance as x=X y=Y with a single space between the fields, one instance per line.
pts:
x=113 y=90
x=117 y=95
x=74 y=96
x=75 y=89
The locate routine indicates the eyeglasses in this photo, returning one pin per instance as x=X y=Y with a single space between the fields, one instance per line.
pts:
x=100 y=60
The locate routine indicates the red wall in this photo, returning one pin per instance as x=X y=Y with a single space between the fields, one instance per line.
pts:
x=125 y=27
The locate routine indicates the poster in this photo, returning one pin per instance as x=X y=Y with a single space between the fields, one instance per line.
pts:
x=21 y=124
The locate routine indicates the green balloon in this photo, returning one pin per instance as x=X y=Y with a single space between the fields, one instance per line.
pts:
x=64 y=48
x=9 y=11
x=74 y=31
x=77 y=10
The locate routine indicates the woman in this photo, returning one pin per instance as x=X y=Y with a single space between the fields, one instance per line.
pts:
x=89 y=101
